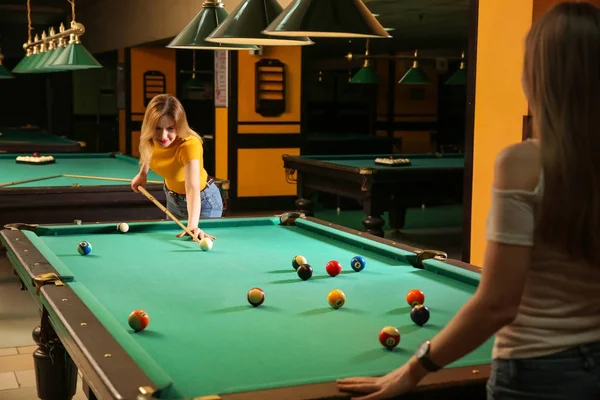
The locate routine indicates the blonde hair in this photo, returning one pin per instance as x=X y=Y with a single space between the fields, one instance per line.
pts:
x=561 y=79
x=159 y=106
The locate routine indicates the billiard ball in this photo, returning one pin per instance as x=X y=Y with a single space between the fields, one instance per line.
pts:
x=358 y=263
x=256 y=296
x=123 y=227
x=84 y=248
x=389 y=337
x=419 y=314
x=336 y=298
x=333 y=268
x=206 y=244
x=298 y=261
x=138 y=320
x=305 y=272
x=415 y=297
x=36 y=154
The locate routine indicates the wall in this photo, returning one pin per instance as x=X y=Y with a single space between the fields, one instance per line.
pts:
x=110 y=30
x=499 y=100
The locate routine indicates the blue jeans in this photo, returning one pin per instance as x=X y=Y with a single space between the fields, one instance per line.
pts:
x=567 y=375
x=211 y=206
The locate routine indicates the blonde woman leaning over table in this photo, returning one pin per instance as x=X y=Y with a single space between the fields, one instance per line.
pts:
x=170 y=148
x=539 y=292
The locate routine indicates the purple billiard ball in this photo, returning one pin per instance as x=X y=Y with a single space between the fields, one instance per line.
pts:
x=419 y=314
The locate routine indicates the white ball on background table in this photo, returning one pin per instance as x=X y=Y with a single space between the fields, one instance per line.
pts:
x=206 y=244
x=123 y=227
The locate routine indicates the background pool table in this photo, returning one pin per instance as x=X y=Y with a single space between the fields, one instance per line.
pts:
x=62 y=199
x=29 y=140
x=431 y=179
x=204 y=338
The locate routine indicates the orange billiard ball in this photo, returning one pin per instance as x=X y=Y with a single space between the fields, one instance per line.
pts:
x=389 y=337
x=336 y=298
x=138 y=320
x=415 y=297
x=256 y=296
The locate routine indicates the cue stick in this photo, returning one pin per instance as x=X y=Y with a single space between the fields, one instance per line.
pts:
x=28 y=180
x=103 y=178
x=174 y=218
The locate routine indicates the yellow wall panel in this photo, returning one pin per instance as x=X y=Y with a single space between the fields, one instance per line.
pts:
x=122 y=132
x=292 y=58
x=499 y=100
x=252 y=184
x=221 y=143
x=150 y=59
x=276 y=129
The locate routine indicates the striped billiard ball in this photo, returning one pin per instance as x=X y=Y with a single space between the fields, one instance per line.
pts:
x=298 y=261
x=389 y=337
x=256 y=296
x=138 y=320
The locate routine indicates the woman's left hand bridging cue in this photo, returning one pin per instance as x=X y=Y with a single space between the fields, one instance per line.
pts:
x=198 y=233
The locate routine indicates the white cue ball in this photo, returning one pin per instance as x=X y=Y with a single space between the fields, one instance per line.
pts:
x=206 y=244
x=123 y=227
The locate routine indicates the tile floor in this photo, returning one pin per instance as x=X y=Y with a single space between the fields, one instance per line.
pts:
x=18 y=317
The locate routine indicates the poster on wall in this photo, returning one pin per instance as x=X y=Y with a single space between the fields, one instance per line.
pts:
x=221 y=78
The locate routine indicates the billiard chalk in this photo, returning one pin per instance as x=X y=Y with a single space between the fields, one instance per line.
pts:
x=206 y=244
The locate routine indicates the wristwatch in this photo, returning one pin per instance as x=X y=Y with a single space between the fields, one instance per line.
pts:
x=422 y=355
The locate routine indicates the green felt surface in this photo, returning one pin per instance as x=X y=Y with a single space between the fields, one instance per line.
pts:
x=418 y=161
x=206 y=338
x=88 y=164
x=31 y=136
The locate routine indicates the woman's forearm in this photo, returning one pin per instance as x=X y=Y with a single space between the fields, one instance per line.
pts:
x=144 y=169
x=194 y=205
x=474 y=324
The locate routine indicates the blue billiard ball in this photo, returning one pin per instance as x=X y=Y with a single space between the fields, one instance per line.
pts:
x=358 y=263
x=419 y=314
x=84 y=248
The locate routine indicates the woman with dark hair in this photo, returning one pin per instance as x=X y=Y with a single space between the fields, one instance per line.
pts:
x=539 y=292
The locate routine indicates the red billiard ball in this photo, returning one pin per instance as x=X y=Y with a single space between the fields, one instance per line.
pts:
x=36 y=154
x=389 y=337
x=419 y=314
x=305 y=272
x=138 y=320
x=333 y=268
x=256 y=296
x=415 y=297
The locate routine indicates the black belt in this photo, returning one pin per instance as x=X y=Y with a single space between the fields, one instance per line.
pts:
x=176 y=195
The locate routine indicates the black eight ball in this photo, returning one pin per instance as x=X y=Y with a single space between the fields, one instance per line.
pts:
x=305 y=272
x=419 y=314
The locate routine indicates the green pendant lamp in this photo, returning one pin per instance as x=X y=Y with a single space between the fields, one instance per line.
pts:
x=4 y=72
x=327 y=18
x=75 y=56
x=193 y=36
x=31 y=57
x=247 y=22
x=459 y=78
x=415 y=75
x=366 y=74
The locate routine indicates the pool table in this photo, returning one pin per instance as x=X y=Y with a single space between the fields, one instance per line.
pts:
x=65 y=199
x=431 y=179
x=15 y=140
x=204 y=338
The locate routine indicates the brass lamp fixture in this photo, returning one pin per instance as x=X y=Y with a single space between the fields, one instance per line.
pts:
x=366 y=74
x=415 y=75
x=53 y=53
x=459 y=78
x=194 y=35
x=245 y=25
x=327 y=18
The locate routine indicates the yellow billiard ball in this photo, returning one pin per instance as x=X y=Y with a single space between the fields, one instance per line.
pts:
x=336 y=298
